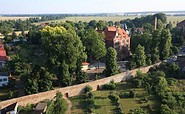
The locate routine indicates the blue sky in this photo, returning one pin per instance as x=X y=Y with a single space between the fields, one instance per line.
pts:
x=87 y=6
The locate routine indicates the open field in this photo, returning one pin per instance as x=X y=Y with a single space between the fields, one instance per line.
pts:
x=12 y=18
x=89 y=18
x=104 y=105
x=172 y=19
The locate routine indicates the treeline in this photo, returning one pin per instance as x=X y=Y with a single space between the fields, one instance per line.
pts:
x=8 y=26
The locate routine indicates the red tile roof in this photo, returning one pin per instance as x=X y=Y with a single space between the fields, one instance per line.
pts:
x=85 y=63
x=3 y=56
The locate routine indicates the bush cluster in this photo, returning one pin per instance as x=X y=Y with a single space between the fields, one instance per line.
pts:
x=110 y=86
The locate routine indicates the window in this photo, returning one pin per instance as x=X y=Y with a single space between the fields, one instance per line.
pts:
x=1 y=80
x=116 y=45
x=123 y=42
x=5 y=79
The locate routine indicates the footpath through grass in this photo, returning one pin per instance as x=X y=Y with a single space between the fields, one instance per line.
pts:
x=104 y=105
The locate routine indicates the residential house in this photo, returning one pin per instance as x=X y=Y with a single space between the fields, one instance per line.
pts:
x=3 y=79
x=3 y=56
x=119 y=39
x=85 y=66
x=11 y=109
x=40 y=108
x=42 y=25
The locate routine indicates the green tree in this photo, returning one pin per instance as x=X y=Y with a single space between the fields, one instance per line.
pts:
x=45 y=81
x=155 y=46
x=59 y=106
x=165 y=109
x=140 y=56
x=162 y=86
x=63 y=49
x=111 y=62
x=101 y=25
x=94 y=43
x=165 y=44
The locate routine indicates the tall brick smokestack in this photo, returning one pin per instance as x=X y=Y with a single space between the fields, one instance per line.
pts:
x=155 y=24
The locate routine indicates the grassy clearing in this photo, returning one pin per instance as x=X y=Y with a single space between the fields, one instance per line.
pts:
x=104 y=105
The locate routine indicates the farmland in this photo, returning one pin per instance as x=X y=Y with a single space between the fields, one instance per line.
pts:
x=172 y=19
x=12 y=18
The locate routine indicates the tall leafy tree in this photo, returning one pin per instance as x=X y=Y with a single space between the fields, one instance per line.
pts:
x=155 y=46
x=140 y=57
x=165 y=44
x=63 y=48
x=45 y=81
x=59 y=106
x=111 y=62
x=94 y=43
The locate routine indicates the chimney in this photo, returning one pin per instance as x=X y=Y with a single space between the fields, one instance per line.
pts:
x=155 y=24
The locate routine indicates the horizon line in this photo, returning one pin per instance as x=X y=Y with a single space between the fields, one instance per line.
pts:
x=172 y=11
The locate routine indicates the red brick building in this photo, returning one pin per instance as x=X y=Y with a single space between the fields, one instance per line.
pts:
x=119 y=39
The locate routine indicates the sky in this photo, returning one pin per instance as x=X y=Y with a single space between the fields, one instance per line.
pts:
x=87 y=6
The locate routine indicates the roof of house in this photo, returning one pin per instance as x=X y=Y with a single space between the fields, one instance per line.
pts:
x=111 y=31
x=9 y=108
x=85 y=63
x=41 y=106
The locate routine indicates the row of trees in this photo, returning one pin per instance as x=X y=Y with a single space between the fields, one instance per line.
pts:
x=148 y=49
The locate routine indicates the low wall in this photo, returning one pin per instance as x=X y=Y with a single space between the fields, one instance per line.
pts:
x=72 y=90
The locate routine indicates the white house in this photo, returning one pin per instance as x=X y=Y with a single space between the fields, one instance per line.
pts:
x=3 y=79
x=85 y=66
x=11 y=109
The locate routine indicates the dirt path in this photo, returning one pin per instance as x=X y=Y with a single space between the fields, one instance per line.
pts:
x=69 y=105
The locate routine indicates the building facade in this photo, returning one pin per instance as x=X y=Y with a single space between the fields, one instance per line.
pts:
x=3 y=79
x=119 y=39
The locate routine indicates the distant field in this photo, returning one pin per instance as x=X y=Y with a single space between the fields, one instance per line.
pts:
x=12 y=18
x=172 y=19
x=89 y=18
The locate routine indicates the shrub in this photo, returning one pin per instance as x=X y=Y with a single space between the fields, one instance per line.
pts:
x=110 y=86
x=124 y=95
x=137 y=83
x=132 y=94
x=120 y=110
x=113 y=97
x=138 y=111
x=171 y=81
x=87 y=89
x=90 y=95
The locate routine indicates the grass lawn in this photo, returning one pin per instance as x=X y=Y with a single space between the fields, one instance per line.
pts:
x=104 y=105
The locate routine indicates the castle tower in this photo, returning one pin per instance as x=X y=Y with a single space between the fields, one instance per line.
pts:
x=155 y=23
